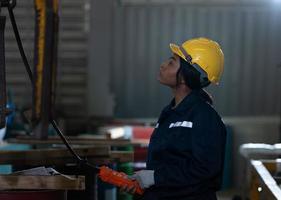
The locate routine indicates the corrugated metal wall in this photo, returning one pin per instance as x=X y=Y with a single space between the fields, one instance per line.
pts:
x=72 y=58
x=249 y=36
x=137 y=41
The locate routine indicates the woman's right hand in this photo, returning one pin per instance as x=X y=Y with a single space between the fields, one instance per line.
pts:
x=128 y=189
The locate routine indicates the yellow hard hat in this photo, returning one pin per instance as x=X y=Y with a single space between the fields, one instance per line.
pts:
x=202 y=52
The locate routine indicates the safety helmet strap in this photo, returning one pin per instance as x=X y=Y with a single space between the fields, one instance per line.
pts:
x=203 y=75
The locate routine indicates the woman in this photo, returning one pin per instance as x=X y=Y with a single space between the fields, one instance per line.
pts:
x=186 y=150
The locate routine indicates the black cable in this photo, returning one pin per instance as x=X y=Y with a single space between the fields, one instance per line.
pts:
x=26 y=64
x=28 y=69
x=65 y=141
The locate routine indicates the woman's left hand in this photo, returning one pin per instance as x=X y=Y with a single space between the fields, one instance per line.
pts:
x=145 y=178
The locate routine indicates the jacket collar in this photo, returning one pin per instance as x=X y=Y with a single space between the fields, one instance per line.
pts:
x=191 y=99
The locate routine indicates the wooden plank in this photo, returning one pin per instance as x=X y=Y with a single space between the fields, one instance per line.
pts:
x=73 y=140
x=122 y=156
x=140 y=142
x=115 y=157
x=8 y=182
x=50 y=156
x=81 y=137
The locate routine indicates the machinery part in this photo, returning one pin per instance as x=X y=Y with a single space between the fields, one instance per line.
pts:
x=106 y=174
x=45 y=61
x=203 y=54
x=80 y=161
x=118 y=179
x=2 y=74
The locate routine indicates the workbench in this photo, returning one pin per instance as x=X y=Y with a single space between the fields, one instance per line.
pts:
x=51 y=152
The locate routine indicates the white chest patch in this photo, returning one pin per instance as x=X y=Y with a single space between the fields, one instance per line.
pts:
x=157 y=125
x=185 y=124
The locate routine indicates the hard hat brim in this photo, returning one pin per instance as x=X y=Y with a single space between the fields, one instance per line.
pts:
x=176 y=50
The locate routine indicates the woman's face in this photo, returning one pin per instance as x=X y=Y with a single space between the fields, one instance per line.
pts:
x=168 y=71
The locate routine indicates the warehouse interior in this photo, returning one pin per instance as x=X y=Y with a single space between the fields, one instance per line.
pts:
x=94 y=100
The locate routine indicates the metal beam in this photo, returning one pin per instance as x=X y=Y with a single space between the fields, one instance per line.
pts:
x=2 y=74
x=199 y=2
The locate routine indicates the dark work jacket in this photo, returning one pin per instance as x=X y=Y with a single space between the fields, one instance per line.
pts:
x=186 y=151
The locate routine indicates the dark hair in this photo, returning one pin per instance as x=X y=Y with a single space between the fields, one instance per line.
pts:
x=191 y=78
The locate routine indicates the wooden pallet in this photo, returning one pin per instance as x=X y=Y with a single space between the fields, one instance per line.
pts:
x=57 y=182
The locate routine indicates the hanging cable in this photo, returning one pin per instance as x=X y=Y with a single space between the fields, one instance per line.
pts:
x=23 y=56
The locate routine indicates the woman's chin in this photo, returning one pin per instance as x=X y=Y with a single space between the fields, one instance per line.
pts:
x=162 y=82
